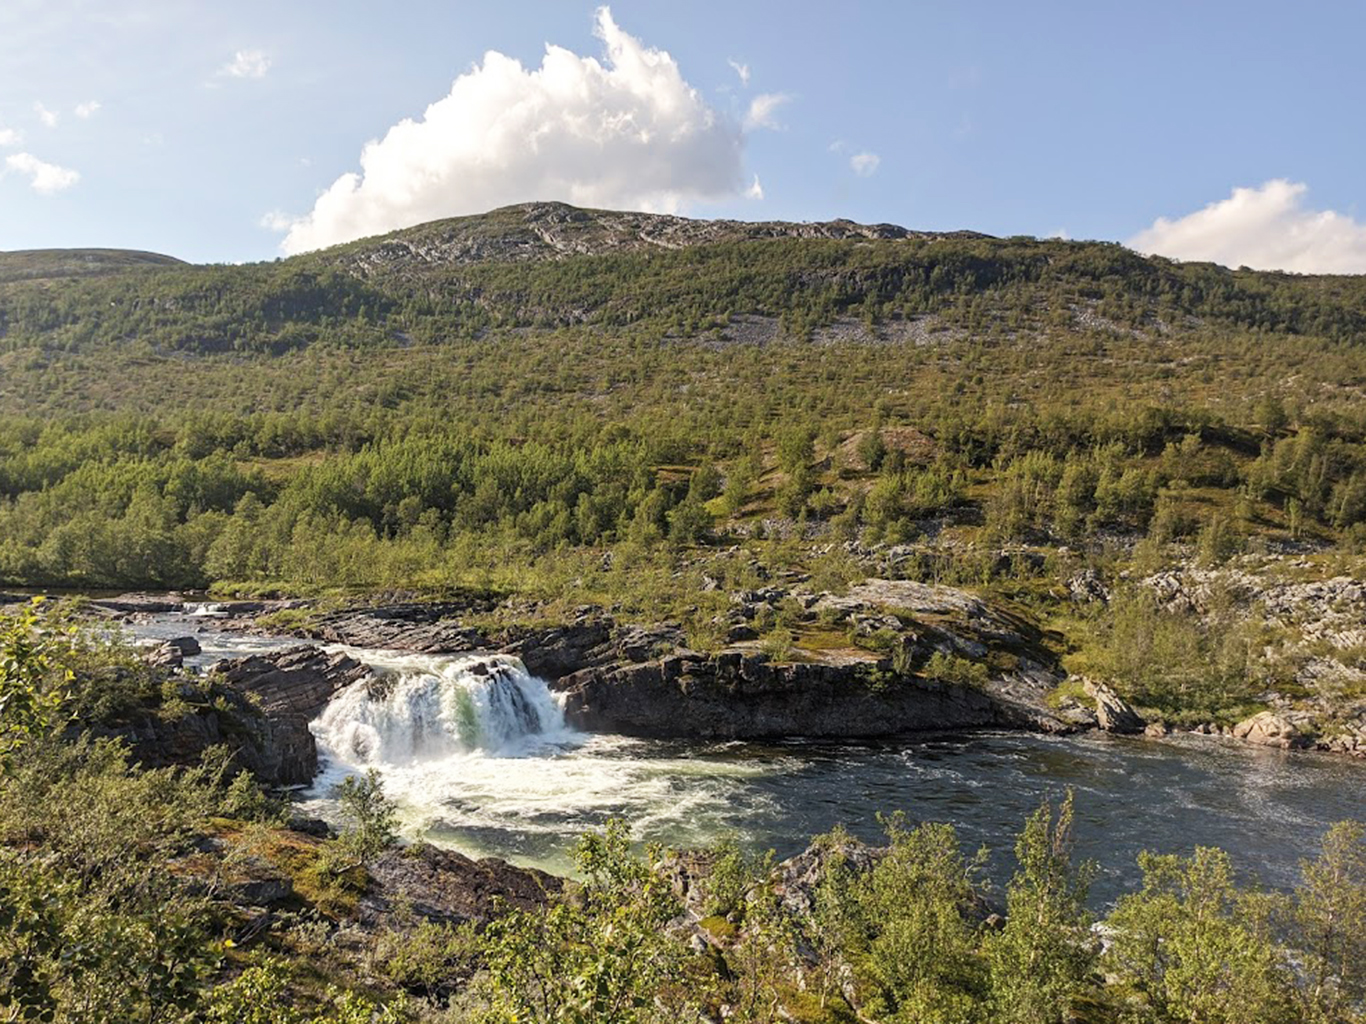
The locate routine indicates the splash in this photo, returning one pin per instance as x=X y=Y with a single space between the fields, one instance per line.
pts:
x=417 y=708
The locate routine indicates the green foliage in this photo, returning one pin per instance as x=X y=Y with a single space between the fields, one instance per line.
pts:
x=904 y=926
x=1192 y=946
x=605 y=957
x=371 y=817
x=1175 y=661
x=951 y=668
x=32 y=679
x=1329 y=919
x=1044 y=959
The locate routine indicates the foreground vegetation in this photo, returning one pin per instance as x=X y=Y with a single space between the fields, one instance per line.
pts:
x=127 y=894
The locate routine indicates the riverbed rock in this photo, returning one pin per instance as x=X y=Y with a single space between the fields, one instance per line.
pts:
x=290 y=688
x=1272 y=729
x=172 y=653
x=1113 y=712
x=742 y=694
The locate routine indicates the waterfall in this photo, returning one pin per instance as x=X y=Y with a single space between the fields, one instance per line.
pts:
x=416 y=708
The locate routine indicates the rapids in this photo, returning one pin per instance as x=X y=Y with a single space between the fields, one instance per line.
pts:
x=476 y=753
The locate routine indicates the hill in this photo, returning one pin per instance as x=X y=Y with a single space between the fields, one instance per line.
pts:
x=561 y=407
x=39 y=264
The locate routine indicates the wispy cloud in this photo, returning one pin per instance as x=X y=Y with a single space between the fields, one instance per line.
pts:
x=10 y=137
x=1269 y=228
x=755 y=190
x=48 y=117
x=742 y=70
x=762 y=108
x=85 y=111
x=247 y=64
x=44 y=178
x=865 y=164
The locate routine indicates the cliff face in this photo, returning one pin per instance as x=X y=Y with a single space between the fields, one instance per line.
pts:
x=738 y=695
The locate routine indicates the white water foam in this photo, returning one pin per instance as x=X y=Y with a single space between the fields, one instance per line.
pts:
x=476 y=753
x=422 y=707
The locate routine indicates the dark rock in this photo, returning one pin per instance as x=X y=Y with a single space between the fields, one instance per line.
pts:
x=139 y=604
x=291 y=688
x=315 y=827
x=443 y=885
x=741 y=694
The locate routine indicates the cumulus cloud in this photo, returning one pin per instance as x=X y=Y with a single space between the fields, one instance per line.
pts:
x=1269 y=228
x=627 y=131
x=86 y=111
x=246 y=64
x=44 y=178
x=742 y=70
x=864 y=164
x=762 y=108
x=48 y=117
x=10 y=137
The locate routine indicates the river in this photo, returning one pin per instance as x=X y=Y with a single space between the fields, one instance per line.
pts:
x=478 y=757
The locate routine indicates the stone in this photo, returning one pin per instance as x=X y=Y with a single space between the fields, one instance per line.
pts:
x=1113 y=712
x=1269 y=729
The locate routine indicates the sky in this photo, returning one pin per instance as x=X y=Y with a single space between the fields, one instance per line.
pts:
x=252 y=129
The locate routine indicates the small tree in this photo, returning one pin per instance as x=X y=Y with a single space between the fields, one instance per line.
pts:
x=1045 y=955
x=1330 y=914
x=33 y=678
x=371 y=817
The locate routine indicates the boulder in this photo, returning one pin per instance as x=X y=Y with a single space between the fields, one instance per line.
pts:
x=1113 y=712
x=1272 y=729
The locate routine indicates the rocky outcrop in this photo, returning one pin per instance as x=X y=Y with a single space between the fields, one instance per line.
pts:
x=290 y=688
x=738 y=694
x=644 y=680
x=1113 y=712
x=172 y=653
x=429 y=628
x=295 y=682
x=442 y=885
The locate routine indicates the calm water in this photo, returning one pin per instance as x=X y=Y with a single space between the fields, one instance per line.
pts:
x=527 y=800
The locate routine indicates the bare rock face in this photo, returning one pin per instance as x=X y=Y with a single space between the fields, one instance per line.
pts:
x=291 y=688
x=1113 y=712
x=741 y=694
x=295 y=682
x=172 y=653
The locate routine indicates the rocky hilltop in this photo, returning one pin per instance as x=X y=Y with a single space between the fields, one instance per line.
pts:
x=530 y=232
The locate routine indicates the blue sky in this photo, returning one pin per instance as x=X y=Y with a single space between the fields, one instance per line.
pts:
x=210 y=130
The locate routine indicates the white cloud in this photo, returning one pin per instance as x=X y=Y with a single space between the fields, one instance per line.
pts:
x=10 y=137
x=864 y=164
x=87 y=110
x=625 y=132
x=1268 y=228
x=755 y=191
x=246 y=64
x=762 y=108
x=48 y=117
x=44 y=178
x=740 y=69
